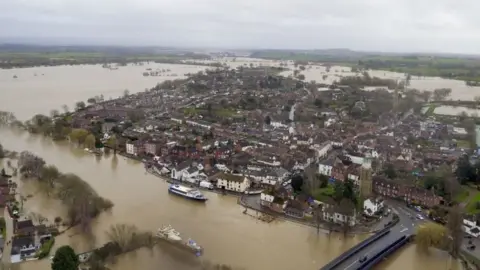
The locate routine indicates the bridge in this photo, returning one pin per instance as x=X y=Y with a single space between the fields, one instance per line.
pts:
x=374 y=248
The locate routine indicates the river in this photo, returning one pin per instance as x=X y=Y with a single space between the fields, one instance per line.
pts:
x=227 y=235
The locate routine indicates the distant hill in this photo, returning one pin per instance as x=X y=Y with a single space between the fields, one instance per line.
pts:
x=343 y=55
x=113 y=50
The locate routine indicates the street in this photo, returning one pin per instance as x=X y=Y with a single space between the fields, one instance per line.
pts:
x=7 y=249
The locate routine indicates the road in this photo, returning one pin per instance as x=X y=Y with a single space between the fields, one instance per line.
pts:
x=7 y=249
x=405 y=226
x=475 y=241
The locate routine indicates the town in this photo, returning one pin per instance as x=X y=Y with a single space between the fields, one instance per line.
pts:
x=329 y=156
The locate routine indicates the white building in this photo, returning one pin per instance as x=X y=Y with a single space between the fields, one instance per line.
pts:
x=22 y=248
x=325 y=169
x=233 y=182
x=471 y=228
x=331 y=214
x=266 y=199
x=373 y=206
x=130 y=148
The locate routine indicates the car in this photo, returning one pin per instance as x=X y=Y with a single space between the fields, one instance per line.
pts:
x=471 y=247
x=363 y=259
x=420 y=217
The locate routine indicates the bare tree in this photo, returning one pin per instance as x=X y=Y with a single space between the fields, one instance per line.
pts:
x=38 y=218
x=30 y=164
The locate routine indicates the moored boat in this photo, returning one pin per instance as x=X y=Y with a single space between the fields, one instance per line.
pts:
x=189 y=193
x=169 y=234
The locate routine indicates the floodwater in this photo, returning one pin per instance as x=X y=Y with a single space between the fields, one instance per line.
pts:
x=59 y=85
x=227 y=235
x=460 y=91
x=451 y=110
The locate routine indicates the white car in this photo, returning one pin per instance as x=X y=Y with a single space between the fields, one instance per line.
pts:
x=420 y=217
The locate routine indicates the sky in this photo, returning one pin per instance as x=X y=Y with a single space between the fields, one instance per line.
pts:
x=367 y=25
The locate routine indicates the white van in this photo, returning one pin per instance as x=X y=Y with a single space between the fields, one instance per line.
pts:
x=206 y=184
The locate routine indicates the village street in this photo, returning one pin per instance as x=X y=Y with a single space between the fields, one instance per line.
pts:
x=8 y=237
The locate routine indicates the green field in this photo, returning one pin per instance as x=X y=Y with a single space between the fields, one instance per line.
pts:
x=461 y=68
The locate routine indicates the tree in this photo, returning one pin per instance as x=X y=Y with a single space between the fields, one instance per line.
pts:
x=126 y=93
x=318 y=103
x=455 y=229
x=112 y=143
x=297 y=182
x=78 y=135
x=30 y=164
x=349 y=191
x=465 y=171
x=91 y=101
x=338 y=191
x=390 y=171
x=80 y=105
x=65 y=108
x=268 y=120
x=49 y=175
x=136 y=115
x=54 y=113
x=441 y=94
x=2 y=152
x=347 y=209
x=90 y=141
x=65 y=259
x=430 y=235
x=301 y=77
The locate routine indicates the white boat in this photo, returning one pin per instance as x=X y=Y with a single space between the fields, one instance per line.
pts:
x=169 y=233
x=189 y=193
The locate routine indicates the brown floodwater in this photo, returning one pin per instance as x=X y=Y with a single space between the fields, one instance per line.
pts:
x=227 y=235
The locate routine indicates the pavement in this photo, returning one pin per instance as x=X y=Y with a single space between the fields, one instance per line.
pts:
x=405 y=226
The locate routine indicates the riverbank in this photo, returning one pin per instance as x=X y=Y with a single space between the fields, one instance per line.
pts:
x=253 y=202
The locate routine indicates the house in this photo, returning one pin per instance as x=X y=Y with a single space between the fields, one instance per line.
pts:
x=295 y=208
x=233 y=182
x=22 y=248
x=107 y=126
x=333 y=213
x=24 y=227
x=179 y=170
x=134 y=148
x=373 y=206
x=152 y=147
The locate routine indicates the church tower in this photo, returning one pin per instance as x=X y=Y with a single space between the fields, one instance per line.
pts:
x=366 y=186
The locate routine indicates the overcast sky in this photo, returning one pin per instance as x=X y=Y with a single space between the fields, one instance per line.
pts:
x=374 y=25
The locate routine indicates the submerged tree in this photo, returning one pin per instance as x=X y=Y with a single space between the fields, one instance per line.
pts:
x=30 y=165
x=65 y=259
x=430 y=235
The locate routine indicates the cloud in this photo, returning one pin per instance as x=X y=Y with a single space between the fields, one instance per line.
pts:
x=386 y=25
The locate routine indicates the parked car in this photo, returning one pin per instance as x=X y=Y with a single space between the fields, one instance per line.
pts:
x=471 y=247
